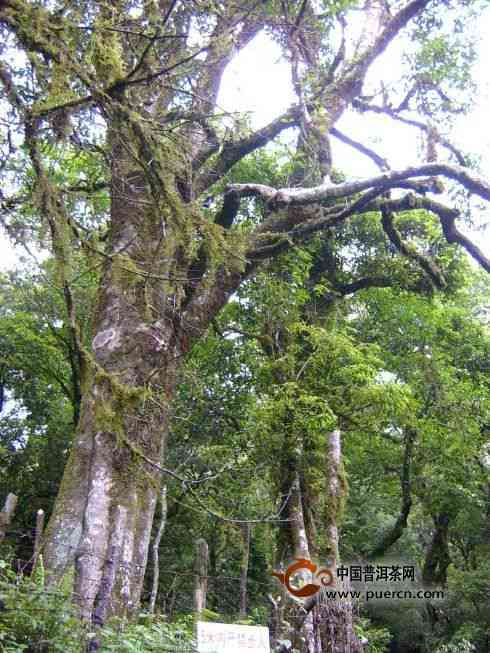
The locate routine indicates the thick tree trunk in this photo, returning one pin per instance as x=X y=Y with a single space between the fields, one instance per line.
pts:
x=104 y=511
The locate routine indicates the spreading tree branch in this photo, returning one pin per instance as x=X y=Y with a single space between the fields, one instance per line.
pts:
x=282 y=197
x=394 y=114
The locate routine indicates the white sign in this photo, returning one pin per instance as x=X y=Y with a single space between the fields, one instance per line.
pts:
x=229 y=638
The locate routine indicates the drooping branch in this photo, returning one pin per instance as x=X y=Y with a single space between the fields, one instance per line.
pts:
x=52 y=209
x=409 y=250
x=454 y=235
x=396 y=531
x=275 y=238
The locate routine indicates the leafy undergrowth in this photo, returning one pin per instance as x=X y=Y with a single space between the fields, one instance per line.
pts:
x=34 y=619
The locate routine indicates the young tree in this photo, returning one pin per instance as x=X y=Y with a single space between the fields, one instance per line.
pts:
x=118 y=100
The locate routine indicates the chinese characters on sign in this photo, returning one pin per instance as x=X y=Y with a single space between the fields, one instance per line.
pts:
x=223 y=638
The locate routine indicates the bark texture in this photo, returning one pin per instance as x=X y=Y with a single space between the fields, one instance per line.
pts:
x=104 y=511
x=155 y=548
x=333 y=618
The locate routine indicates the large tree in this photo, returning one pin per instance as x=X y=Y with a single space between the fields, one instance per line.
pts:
x=116 y=150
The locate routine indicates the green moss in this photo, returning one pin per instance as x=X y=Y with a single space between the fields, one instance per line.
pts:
x=105 y=52
x=116 y=402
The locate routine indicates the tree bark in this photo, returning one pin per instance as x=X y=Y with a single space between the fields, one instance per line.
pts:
x=437 y=558
x=104 y=511
x=333 y=619
x=155 y=548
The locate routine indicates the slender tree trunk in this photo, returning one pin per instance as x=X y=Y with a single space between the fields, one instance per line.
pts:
x=296 y=517
x=437 y=561
x=301 y=549
x=246 y=531
x=396 y=531
x=335 y=493
x=155 y=548
x=38 y=536
x=333 y=620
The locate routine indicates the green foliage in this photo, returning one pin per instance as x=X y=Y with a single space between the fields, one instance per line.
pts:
x=148 y=634
x=38 y=619
x=35 y=619
x=458 y=645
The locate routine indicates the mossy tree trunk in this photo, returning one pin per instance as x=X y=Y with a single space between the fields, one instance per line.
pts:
x=104 y=511
x=437 y=557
